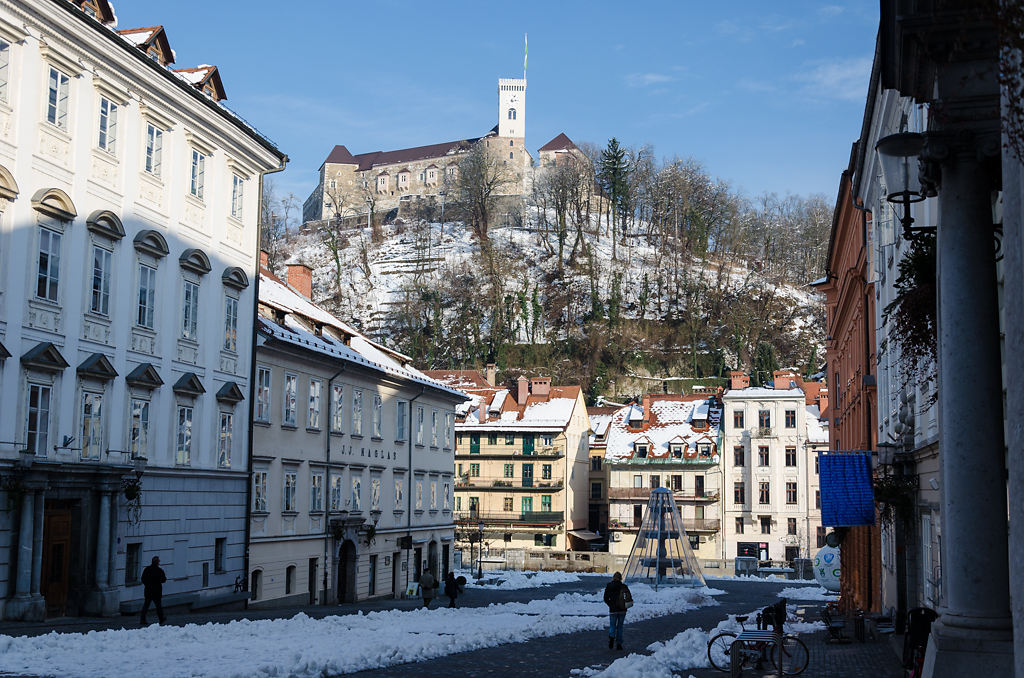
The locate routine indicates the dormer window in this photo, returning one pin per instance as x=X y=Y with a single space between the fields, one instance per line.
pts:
x=704 y=450
x=641 y=450
x=279 y=316
x=677 y=451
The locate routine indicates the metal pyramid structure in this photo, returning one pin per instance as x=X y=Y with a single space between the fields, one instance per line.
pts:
x=662 y=555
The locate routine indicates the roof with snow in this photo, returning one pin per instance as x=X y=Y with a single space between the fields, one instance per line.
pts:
x=817 y=427
x=495 y=408
x=205 y=78
x=559 y=143
x=286 y=316
x=150 y=36
x=761 y=393
x=673 y=419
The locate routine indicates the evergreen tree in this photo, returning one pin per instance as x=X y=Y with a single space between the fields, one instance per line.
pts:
x=614 y=179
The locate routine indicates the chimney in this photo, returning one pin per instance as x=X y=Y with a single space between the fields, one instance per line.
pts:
x=738 y=380
x=540 y=386
x=823 y=403
x=491 y=373
x=300 y=277
x=786 y=379
x=522 y=390
x=647 y=409
x=265 y=259
x=482 y=411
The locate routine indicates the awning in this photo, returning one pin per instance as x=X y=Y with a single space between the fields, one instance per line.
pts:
x=585 y=535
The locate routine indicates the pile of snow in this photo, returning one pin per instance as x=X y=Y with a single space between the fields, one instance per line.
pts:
x=302 y=647
x=807 y=593
x=770 y=579
x=511 y=580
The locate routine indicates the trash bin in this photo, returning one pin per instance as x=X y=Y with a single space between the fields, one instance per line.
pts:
x=746 y=566
x=859 y=631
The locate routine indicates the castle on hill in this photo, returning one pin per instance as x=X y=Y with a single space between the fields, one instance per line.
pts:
x=380 y=181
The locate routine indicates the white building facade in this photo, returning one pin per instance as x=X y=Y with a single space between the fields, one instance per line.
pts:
x=129 y=204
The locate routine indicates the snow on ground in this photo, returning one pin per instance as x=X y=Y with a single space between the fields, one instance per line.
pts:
x=770 y=579
x=807 y=593
x=510 y=580
x=687 y=650
x=302 y=647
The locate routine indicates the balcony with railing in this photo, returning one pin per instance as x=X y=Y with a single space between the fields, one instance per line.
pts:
x=701 y=459
x=496 y=452
x=689 y=524
x=645 y=493
x=510 y=518
x=501 y=483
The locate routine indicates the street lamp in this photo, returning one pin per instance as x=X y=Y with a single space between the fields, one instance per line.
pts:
x=474 y=514
x=480 y=562
x=899 y=156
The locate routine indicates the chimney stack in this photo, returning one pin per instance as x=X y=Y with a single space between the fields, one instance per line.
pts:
x=522 y=389
x=490 y=373
x=786 y=379
x=823 y=403
x=300 y=277
x=540 y=386
x=265 y=259
x=647 y=409
x=738 y=380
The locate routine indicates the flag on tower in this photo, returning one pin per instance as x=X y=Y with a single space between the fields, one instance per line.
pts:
x=526 y=52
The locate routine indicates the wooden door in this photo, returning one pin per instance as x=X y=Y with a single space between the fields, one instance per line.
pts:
x=56 y=557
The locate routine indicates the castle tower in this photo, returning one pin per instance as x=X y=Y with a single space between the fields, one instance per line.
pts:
x=512 y=108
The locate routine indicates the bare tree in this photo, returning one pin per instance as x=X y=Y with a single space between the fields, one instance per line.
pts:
x=482 y=176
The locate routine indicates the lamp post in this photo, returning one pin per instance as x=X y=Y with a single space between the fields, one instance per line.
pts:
x=474 y=513
x=899 y=156
x=480 y=560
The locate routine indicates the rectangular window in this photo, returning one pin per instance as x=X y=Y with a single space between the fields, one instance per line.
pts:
x=763 y=456
x=107 y=140
x=133 y=555
x=57 y=99
x=197 y=176
x=219 y=555
x=739 y=493
x=313 y=421
x=433 y=495
x=545 y=471
x=492 y=438
x=236 y=196
x=738 y=456
x=817 y=499
x=400 y=408
x=230 y=324
x=337 y=408
x=791 y=526
x=357 y=413
x=766 y=525
x=510 y=439
x=399 y=493
x=227 y=428
x=510 y=470
x=815 y=464
x=138 y=436
x=790 y=492
x=263 y=394
x=474 y=470
x=259 y=491
x=764 y=419
x=790 y=456
x=378 y=415
x=291 y=480
x=527 y=504
x=547 y=440
x=433 y=428
x=638 y=481
x=822 y=532
x=737 y=418
x=147 y=296
x=48 y=272
x=92 y=425
x=357 y=493
x=764 y=493
x=291 y=386
x=183 y=454
x=316 y=493
x=739 y=526
x=447 y=496
x=336 y=493
x=448 y=421
x=595 y=490
x=419 y=425
x=375 y=493
x=677 y=483
x=5 y=68
x=595 y=463
x=507 y=504
x=99 y=300
x=790 y=418
x=190 y=312
x=154 y=149
x=545 y=503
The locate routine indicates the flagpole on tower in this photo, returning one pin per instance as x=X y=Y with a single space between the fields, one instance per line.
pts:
x=526 y=52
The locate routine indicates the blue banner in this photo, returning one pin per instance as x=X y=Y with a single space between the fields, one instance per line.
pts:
x=846 y=494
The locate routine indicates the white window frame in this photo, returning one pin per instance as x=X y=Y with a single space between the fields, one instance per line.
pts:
x=336 y=485
x=58 y=92
x=154 y=150
x=289 y=487
x=197 y=174
x=138 y=428
x=224 y=438
x=38 y=437
x=433 y=428
x=99 y=288
x=448 y=423
x=400 y=432
x=145 y=315
x=374 y=493
x=447 y=498
x=419 y=494
x=5 y=69
x=264 y=379
x=259 y=491
x=237 y=192
x=49 y=272
x=419 y=425
x=357 y=493
x=230 y=323
x=433 y=495
x=91 y=424
x=106 y=139
x=357 y=412
x=315 y=388
x=399 y=492
x=184 y=422
x=190 y=310
x=316 y=492
x=377 y=418
x=337 y=408
x=288 y=407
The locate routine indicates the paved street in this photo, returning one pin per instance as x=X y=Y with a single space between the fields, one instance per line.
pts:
x=556 y=655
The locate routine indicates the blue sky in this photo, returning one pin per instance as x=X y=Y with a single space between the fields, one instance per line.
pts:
x=768 y=96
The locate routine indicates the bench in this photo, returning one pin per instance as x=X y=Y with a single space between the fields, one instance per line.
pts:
x=834 y=626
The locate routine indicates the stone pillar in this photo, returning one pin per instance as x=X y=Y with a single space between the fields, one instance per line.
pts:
x=103 y=541
x=37 y=542
x=112 y=552
x=974 y=633
x=25 y=543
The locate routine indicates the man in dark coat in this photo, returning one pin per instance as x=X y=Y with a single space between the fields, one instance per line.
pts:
x=153 y=579
x=615 y=596
x=428 y=587
x=451 y=588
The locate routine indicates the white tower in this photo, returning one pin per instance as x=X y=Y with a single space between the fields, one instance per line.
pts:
x=512 y=108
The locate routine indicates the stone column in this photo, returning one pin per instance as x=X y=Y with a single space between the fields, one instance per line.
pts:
x=112 y=553
x=25 y=543
x=974 y=633
x=37 y=542
x=103 y=541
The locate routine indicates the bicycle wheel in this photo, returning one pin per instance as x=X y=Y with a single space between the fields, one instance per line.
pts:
x=790 y=657
x=718 y=650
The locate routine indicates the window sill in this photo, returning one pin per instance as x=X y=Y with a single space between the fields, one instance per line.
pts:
x=289 y=514
x=401 y=442
x=312 y=429
x=260 y=514
x=289 y=427
x=318 y=513
x=264 y=424
x=377 y=439
x=419 y=445
x=418 y=512
x=357 y=436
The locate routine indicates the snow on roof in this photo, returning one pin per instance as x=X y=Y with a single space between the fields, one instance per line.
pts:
x=194 y=76
x=551 y=412
x=817 y=428
x=497 y=401
x=361 y=350
x=599 y=424
x=139 y=36
x=671 y=420
x=701 y=411
x=759 y=392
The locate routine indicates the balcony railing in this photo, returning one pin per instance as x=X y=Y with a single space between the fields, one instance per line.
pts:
x=466 y=518
x=495 y=452
x=689 y=524
x=502 y=483
x=705 y=459
x=645 y=493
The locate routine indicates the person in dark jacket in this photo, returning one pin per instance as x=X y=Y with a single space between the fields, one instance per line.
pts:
x=616 y=595
x=428 y=587
x=451 y=588
x=153 y=579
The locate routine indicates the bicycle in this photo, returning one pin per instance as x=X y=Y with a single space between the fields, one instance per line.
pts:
x=790 y=657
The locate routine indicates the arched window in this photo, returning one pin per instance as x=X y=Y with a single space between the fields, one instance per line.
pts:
x=511 y=114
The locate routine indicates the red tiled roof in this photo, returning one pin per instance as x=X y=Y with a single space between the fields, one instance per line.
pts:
x=559 y=143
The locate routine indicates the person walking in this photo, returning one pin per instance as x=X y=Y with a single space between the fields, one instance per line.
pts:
x=451 y=588
x=618 y=599
x=428 y=587
x=153 y=579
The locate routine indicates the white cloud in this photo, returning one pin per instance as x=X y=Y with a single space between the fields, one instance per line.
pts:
x=647 y=79
x=755 y=85
x=830 y=10
x=843 y=79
